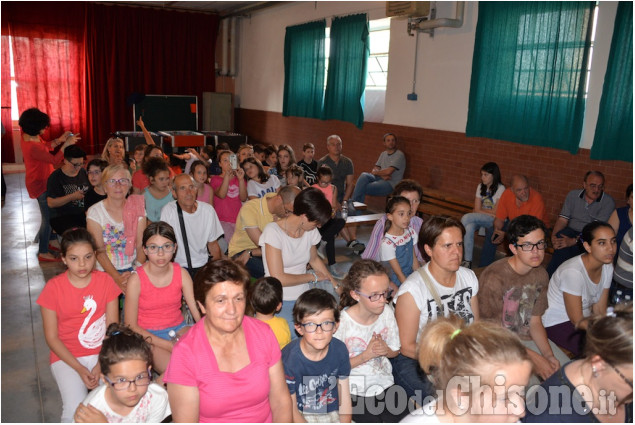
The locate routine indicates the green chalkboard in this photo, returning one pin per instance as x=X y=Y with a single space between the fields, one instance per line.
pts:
x=167 y=113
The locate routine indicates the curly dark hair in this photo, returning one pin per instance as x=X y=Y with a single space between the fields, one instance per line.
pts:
x=32 y=121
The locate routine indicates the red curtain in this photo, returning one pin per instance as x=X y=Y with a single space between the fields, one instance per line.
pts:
x=48 y=57
x=7 y=138
x=139 y=50
x=79 y=62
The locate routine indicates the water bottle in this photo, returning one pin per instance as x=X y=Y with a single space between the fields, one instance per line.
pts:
x=345 y=211
x=617 y=297
x=173 y=336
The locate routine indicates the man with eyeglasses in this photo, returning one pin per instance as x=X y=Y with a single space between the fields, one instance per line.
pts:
x=254 y=215
x=513 y=292
x=580 y=208
x=202 y=227
x=65 y=190
x=518 y=199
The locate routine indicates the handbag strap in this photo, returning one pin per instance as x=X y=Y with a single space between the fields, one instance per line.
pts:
x=184 y=234
x=431 y=288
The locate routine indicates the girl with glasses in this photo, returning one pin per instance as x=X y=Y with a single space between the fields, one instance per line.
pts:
x=127 y=393
x=580 y=287
x=369 y=330
x=76 y=307
x=153 y=298
x=600 y=385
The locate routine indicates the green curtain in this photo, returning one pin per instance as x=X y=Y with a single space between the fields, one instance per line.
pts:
x=348 y=62
x=304 y=62
x=614 y=130
x=529 y=72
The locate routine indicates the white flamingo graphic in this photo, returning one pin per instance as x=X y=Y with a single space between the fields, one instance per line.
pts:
x=94 y=335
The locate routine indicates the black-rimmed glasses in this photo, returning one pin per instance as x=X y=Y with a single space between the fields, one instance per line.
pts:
x=311 y=327
x=376 y=297
x=528 y=246
x=121 y=384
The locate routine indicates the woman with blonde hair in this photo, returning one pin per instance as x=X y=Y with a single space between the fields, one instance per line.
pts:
x=117 y=224
x=479 y=371
x=114 y=152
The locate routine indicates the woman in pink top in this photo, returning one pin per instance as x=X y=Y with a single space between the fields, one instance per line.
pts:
x=38 y=163
x=153 y=298
x=227 y=368
x=230 y=191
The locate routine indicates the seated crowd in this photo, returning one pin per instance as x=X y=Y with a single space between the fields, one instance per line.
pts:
x=210 y=293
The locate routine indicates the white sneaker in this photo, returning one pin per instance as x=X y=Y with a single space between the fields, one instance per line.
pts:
x=335 y=273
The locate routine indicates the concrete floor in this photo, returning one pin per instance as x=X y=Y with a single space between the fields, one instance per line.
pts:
x=29 y=392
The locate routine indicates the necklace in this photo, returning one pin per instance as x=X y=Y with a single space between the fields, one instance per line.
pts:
x=297 y=232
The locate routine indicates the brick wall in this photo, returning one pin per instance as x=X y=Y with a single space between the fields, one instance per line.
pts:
x=443 y=160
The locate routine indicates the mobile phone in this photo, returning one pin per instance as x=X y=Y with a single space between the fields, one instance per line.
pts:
x=233 y=161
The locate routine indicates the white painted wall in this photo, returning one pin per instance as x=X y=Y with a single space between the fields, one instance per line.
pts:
x=444 y=63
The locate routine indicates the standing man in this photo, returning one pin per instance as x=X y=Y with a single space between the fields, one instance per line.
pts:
x=65 y=190
x=254 y=215
x=518 y=199
x=580 y=208
x=387 y=172
x=513 y=292
x=201 y=223
x=343 y=173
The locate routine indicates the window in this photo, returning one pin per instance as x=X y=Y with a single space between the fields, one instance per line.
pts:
x=529 y=72
x=378 y=59
x=379 y=33
x=536 y=60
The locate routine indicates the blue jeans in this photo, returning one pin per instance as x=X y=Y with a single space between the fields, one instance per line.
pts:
x=409 y=376
x=472 y=222
x=286 y=312
x=369 y=184
x=563 y=254
x=165 y=333
x=44 y=234
x=489 y=249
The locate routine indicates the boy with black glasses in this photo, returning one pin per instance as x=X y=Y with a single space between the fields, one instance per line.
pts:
x=513 y=292
x=316 y=366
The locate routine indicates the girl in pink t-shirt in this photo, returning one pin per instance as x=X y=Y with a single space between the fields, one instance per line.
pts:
x=153 y=297
x=200 y=173
x=77 y=306
x=230 y=191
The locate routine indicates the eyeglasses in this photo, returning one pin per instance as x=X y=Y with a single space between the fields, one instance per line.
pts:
x=120 y=182
x=121 y=384
x=624 y=378
x=376 y=297
x=153 y=249
x=312 y=327
x=76 y=165
x=94 y=172
x=541 y=245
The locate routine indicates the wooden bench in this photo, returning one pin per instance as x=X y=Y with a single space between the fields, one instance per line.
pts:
x=356 y=220
x=436 y=202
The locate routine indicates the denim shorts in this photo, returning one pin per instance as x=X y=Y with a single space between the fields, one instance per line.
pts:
x=163 y=333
